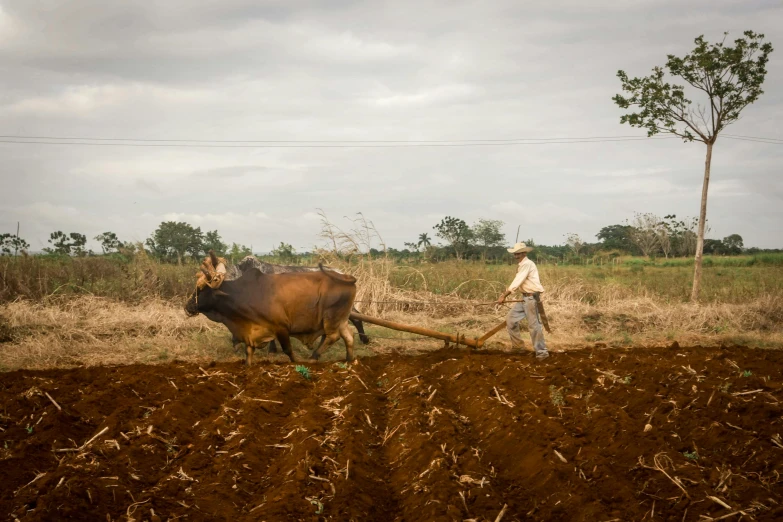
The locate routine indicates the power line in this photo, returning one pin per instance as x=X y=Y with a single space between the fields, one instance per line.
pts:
x=405 y=142
x=321 y=145
x=752 y=137
x=256 y=144
x=84 y=138
x=755 y=140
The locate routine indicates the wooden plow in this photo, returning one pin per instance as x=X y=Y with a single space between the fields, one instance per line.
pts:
x=458 y=339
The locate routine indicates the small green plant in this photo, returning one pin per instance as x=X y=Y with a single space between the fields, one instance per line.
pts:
x=342 y=365
x=556 y=396
x=171 y=445
x=691 y=455
x=627 y=339
x=592 y=337
x=626 y=379
x=587 y=403
x=725 y=387
x=747 y=373
x=637 y=268
x=318 y=505
x=5 y=444
x=29 y=429
x=304 y=371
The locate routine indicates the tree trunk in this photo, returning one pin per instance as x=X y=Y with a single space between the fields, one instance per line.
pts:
x=179 y=258
x=702 y=223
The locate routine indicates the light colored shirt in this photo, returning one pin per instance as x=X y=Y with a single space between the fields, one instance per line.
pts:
x=527 y=278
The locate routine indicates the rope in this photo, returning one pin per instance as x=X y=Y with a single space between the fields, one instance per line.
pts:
x=444 y=303
x=462 y=302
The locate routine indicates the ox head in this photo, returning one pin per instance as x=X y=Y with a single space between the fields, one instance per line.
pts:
x=208 y=280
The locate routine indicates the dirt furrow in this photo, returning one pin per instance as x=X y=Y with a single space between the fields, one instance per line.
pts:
x=365 y=492
x=448 y=435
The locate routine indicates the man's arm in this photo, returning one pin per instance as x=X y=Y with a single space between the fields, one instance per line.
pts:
x=516 y=283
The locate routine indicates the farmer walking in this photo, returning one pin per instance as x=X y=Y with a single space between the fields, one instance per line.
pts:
x=528 y=283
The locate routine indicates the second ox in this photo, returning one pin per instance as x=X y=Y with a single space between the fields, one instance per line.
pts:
x=258 y=308
x=249 y=262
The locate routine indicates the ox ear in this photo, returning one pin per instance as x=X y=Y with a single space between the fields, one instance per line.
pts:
x=219 y=292
x=213 y=258
x=206 y=273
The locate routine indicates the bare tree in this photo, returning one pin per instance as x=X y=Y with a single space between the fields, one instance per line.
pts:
x=664 y=238
x=643 y=233
x=575 y=243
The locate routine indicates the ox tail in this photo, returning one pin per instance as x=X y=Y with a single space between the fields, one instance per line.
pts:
x=337 y=276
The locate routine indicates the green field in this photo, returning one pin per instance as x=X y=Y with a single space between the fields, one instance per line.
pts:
x=64 y=311
x=725 y=279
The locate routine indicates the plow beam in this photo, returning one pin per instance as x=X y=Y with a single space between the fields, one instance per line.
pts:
x=456 y=339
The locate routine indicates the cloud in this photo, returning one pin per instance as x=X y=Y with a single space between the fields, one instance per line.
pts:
x=435 y=95
x=390 y=71
x=348 y=47
x=538 y=213
x=87 y=100
x=729 y=188
x=226 y=219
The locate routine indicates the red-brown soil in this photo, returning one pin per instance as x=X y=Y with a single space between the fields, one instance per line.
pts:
x=402 y=437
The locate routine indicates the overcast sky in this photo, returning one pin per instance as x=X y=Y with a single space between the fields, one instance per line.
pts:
x=350 y=70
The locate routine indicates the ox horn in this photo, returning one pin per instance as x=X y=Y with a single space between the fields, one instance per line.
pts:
x=206 y=273
x=213 y=258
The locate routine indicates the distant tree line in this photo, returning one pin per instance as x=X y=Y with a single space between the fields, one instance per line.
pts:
x=645 y=235
x=172 y=242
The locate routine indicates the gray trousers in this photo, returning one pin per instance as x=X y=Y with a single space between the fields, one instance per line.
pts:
x=526 y=310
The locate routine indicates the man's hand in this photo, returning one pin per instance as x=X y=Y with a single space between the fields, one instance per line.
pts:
x=502 y=297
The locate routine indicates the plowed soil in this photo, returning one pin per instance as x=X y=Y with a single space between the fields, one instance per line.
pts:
x=594 y=435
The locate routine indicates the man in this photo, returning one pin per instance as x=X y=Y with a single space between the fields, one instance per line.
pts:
x=528 y=283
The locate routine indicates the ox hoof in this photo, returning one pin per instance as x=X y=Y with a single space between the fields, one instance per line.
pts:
x=315 y=356
x=364 y=339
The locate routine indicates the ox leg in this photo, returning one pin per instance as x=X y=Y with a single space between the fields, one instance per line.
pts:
x=360 y=328
x=347 y=335
x=239 y=346
x=285 y=344
x=249 y=358
x=326 y=342
x=272 y=346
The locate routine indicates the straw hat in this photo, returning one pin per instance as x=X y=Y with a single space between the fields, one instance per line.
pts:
x=520 y=247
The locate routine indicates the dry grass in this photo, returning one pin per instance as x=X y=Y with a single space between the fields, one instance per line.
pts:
x=96 y=331
x=135 y=325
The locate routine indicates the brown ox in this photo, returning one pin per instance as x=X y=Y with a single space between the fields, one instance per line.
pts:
x=258 y=307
